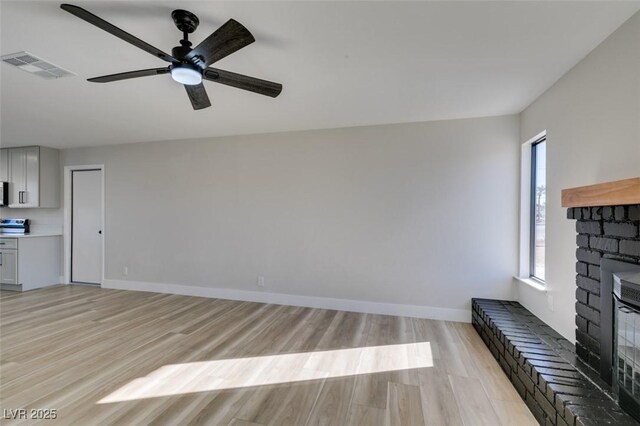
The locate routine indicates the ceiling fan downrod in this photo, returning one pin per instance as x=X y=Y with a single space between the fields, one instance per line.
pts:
x=187 y=23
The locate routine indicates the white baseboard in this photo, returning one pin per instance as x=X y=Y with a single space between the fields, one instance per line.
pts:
x=430 y=312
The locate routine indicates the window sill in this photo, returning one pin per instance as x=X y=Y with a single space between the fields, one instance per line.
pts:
x=535 y=284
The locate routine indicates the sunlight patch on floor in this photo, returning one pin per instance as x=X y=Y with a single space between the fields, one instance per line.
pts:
x=203 y=376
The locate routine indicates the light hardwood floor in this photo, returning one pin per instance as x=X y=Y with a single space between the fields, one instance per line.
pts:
x=102 y=356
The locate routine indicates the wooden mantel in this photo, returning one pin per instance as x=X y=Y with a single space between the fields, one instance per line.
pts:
x=617 y=193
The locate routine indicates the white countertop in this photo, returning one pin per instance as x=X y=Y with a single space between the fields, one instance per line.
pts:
x=32 y=235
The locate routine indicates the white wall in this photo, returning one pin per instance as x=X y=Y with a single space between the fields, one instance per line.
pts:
x=414 y=214
x=592 y=118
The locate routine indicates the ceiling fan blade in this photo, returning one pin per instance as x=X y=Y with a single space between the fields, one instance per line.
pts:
x=129 y=74
x=252 y=84
x=110 y=28
x=230 y=37
x=197 y=96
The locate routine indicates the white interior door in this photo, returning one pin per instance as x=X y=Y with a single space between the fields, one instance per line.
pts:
x=86 y=226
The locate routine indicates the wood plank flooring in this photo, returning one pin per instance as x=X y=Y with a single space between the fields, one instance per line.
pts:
x=101 y=356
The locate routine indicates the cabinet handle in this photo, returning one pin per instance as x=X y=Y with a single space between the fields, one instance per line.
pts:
x=20 y=197
x=0 y=259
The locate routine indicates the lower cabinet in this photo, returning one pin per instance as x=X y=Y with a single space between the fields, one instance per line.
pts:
x=28 y=262
x=9 y=266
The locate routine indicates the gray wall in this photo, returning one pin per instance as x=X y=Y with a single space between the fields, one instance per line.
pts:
x=592 y=118
x=421 y=214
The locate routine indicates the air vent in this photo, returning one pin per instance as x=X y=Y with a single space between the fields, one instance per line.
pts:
x=34 y=65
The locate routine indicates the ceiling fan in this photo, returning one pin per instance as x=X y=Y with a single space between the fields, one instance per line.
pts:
x=189 y=66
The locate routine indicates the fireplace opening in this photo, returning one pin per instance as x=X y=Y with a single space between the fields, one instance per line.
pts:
x=626 y=385
x=609 y=269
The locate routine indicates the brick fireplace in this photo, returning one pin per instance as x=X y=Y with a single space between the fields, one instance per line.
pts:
x=608 y=261
x=603 y=232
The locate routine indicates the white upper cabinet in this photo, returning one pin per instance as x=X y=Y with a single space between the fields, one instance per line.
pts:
x=4 y=165
x=18 y=195
x=33 y=175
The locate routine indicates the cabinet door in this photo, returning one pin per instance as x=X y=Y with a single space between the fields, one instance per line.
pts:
x=4 y=165
x=17 y=176
x=31 y=195
x=9 y=266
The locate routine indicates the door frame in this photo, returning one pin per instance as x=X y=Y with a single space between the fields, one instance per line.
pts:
x=68 y=217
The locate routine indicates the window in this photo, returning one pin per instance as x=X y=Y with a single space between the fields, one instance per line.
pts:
x=538 y=208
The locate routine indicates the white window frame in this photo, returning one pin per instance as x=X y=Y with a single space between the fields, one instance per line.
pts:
x=524 y=264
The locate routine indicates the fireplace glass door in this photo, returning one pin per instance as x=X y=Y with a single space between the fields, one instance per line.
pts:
x=627 y=357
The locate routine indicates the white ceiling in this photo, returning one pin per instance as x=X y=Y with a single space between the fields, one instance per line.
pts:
x=341 y=64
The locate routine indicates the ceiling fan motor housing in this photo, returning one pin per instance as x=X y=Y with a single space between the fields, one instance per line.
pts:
x=180 y=52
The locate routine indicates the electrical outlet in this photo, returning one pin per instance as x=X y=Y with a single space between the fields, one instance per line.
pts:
x=260 y=281
x=125 y=271
x=550 y=301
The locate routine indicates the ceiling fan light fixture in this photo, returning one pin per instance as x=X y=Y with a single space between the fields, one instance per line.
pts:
x=189 y=67
x=185 y=74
